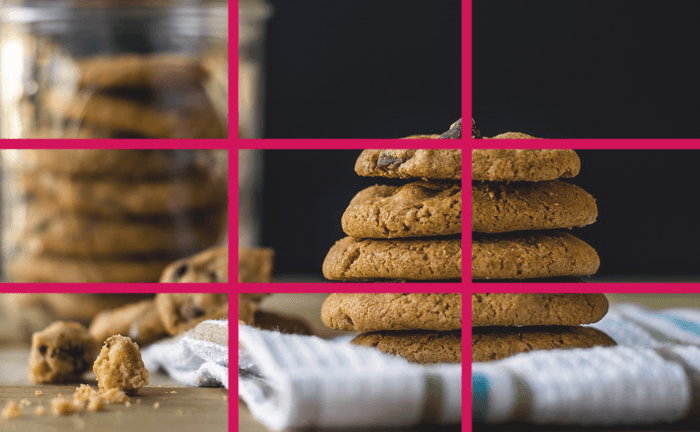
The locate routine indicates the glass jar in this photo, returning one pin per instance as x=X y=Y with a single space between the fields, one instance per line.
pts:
x=113 y=69
x=252 y=17
x=94 y=215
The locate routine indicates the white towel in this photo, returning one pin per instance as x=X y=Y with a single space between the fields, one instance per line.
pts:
x=651 y=376
x=303 y=381
x=197 y=358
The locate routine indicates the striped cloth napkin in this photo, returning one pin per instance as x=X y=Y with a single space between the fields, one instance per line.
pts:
x=197 y=358
x=292 y=381
x=652 y=376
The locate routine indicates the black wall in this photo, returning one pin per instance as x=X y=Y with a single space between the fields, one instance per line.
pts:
x=362 y=68
x=587 y=68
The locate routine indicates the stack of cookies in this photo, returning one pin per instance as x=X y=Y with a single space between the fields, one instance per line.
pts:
x=106 y=215
x=406 y=232
x=132 y=96
x=507 y=324
x=519 y=207
x=423 y=328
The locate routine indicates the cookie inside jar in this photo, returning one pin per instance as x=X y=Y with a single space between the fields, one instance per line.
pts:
x=89 y=78
x=108 y=215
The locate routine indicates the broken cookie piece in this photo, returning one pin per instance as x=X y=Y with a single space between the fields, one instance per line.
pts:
x=61 y=353
x=181 y=312
x=119 y=366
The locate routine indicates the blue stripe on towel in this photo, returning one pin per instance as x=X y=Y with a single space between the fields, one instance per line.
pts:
x=683 y=324
x=480 y=393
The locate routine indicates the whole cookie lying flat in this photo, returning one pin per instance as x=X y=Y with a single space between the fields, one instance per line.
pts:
x=407 y=259
x=38 y=268
x=114 y=163
x=111 y=197
x=416 y=346
x=374 y=312
x=413 y=210
x=495 y=343
x=54 y=232
x=531 y=255
x=521 y=206
x=429 y=164
x=537 y=309
x=524 y=165
x=210 y=265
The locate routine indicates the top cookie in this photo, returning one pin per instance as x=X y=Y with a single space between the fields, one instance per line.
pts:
x=524 y=165
x=513 y=135
x=537 y=309
x=437 y=164
x=375 y=312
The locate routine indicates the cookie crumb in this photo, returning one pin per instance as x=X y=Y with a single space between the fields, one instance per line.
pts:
x=127 y=404
x=63 y=406
x=178 y=413
x=38 y=393
x=40 y=411
x=96 y=403
x=83 y=393
x=173 y=392
x=156 y=405
x=11 y=410
x=138 y=401
x=225 y=398
x=24 y=402
x=114 y=396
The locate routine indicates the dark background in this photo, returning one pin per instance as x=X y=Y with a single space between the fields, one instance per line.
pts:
x=362 y=68
x=587 y=68
x=648 y=222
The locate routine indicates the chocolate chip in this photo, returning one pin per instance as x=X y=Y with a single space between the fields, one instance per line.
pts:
x=212 y=276
x=180 y=272
x=190 y=311
x=455 y=131
x=42 y=349
x=388 y=162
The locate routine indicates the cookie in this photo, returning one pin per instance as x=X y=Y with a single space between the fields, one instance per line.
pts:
x=255 y=265
x=416 y=346
x=70 y=307
x=181 y=312
x=513 y=135
x=48 y=231
x=196 y=119
x=91 y=162
x=407 y=259
x=428 y=136
x=119 y=366
x=246 y=311
x=281 y=323
x=140 y=321
x=504 y=207
x=210 y=265
x=413 y=210
x=140 y=70
x=524 y=165
x=531 y=255
x=115 y=197
x=429 y=164
x=61 y=353
x=495 y=343
x=537 y=309
x=39 y=268
x=375 y=312
x=455 y=131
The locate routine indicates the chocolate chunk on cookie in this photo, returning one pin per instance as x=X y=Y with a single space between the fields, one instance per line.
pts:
x=531 y=255
x=455 y=131
x=521 y=206
x=406 y=259
x=416 y=346
x=524 y=165
x=429 y=164
x=210 y=265
x=537 y=309
x=412 y=210
x=375 y=312
x=181 y=312
x=61 y=353
x=495 y=343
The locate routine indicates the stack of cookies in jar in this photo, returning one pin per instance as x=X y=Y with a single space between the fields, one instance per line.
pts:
x=522 y=213
x=131 y=96
x=405 y=232
x=106 y=215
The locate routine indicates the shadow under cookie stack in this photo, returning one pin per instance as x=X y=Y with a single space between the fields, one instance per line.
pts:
x=410 y=232
x=422 y=328
x=106 y=215
x=507 y=324
x=519 y=211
